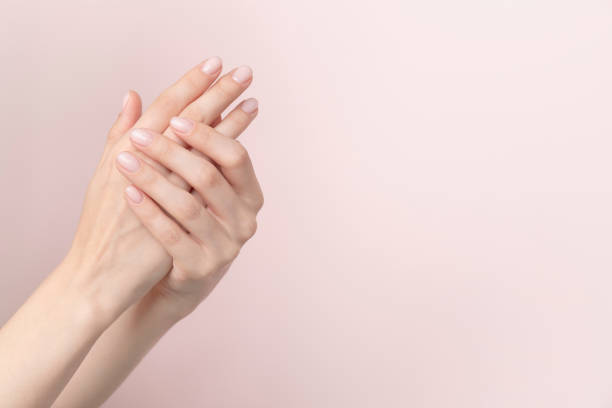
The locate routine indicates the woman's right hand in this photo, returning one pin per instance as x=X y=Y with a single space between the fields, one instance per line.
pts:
x=204 y=230
x=114 y=260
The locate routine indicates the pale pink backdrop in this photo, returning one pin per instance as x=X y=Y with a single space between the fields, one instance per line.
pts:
x=438 y=221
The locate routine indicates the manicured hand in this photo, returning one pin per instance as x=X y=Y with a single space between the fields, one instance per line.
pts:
x=115 y=251
x=203 y=236
x=116 y=258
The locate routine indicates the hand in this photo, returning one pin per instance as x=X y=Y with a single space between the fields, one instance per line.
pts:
x=203 y=231
x=113 y=260
x=122 y=345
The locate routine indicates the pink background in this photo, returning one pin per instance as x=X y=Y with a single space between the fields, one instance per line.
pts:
x=437 y=229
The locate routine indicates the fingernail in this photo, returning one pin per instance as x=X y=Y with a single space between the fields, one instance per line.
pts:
x=211 y=65
x=128 y=161
x=183 y=125
x=141 y=137
x=242 y=74
x=126 y=99
x=249 y=106
x=134 y=194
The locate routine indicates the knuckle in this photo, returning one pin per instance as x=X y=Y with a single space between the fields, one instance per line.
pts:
x=146 y=176
x=259 y=202
x=251 y=227
x=256 y=202
x=238 y=157
x=189 y=81
x=230 y=253
x=225 y=89
x=162 y=149
x=205 y=134
x=248 y=228
x=211 y=261
x=189 y=207
x=169 y=235
x=221 y=255
x=200 y=137
x=207 y=176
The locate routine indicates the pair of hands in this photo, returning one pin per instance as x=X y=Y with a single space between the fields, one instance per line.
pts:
x=172 y=200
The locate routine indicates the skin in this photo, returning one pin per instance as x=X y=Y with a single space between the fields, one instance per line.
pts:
x=140 y=260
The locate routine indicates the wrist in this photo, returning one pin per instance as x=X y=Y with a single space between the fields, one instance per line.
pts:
x=168 y=305
x=88 y=310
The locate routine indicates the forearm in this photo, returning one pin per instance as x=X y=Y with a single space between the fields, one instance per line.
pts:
x=42 y=345
x=118 y=351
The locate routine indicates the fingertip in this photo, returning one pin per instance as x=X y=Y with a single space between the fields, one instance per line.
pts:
x=212 y=65
x=243 y=74
x=128 y=162
x=182 y=125
x=141 y=137
x=250 y=106
x=129 y=115
x=132 y=103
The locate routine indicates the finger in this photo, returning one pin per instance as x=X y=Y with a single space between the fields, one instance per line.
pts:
x=230 y=155
x=179 y=203
x=202 y=175
x=179 y=245
x=238 y=119
x=130 y=112
x=175 y=98
x=208 y=107
x=178 y=96
x=216 y=99
x=231 y=126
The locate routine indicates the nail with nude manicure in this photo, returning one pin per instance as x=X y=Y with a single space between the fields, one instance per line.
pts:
x=141 y=137
x=211 y=65
x=249 y=106
x=128 y=161
x=182 y=125
x=242 y=74
x=134 y=194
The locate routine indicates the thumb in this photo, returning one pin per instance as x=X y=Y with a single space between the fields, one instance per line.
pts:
x=130 y=113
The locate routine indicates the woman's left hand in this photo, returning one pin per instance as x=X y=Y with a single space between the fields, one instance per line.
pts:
x=203 y=231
